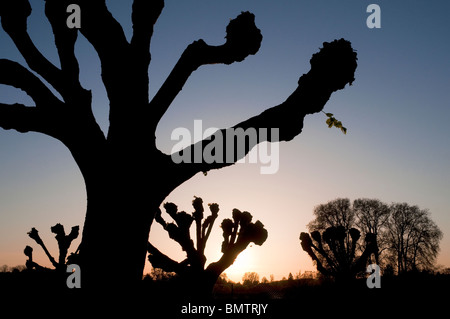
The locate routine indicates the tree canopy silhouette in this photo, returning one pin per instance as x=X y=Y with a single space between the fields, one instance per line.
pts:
x=334 y=251
x=397 y=235
x=413 y=238
x=238 y=233
x=121 y=169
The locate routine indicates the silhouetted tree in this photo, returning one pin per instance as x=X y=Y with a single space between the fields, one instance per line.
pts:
x=64 y=242
x=4 y=268
x=250 y=279
x=334 y=255
x=238 y=233
x=223 y=278
x=413 y=238
x=121 y=169
x=160 y=275
x=405 y=235
x=335 y=213
x=369 y=216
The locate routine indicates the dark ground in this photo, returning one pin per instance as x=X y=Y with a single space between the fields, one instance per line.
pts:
x=406 y=295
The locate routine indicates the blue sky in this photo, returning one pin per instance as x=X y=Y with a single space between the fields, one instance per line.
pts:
x=396 y=112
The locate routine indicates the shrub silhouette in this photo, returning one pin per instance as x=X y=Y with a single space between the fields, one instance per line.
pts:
x=238 y=233
x=117 y=166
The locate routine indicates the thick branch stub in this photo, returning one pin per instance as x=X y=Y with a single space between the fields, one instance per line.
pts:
x=22 y=118
x=243 y=39
x=65 y=39
x=144 y=16
x=14 y=14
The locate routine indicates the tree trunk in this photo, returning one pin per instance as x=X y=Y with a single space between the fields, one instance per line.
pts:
x=115 y=234
x=123 y=192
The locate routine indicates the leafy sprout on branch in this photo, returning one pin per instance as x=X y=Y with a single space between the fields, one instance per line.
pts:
x=332 y=121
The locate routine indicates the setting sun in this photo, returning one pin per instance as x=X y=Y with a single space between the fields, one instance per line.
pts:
x=243 y=263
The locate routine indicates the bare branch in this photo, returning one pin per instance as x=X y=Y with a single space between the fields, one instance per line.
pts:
x=307 y=246
x=13 y=74
x=34 y=234
x=243 y=39
x=28 y=251
x=64 y=241
x=144 y=16
x=120 y=73
x=159 y=219
x=237 y=236
x=102 y=30
x=108 y=39
x=198 y=216
x=209 y=223
x=65 y=39
x=14 y=14
x=160 y=260
x=21 y=118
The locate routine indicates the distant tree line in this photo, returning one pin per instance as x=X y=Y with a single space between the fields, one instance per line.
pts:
x=398 y=237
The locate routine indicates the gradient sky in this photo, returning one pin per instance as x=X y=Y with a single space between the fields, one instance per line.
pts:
x=397 y=113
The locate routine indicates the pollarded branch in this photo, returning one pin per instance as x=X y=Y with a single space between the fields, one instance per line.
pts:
x=209 y=223
x=307 y=245
x=331 y=69
x=14 y=15
x=28 y=251
x=64 y=241
x=102 y=30
x=203 y=225
x=13 y=74
x=65 y=39
x=162 y=261
x=106 y=35
x=121 y=72
x=144 y=16
x=238 y=234
x=34 y=234
x=50 y=116
x=243 y=39
x=178 y=231
x=22 y=118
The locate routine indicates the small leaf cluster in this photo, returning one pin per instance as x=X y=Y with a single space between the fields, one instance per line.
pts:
x=332 y=121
